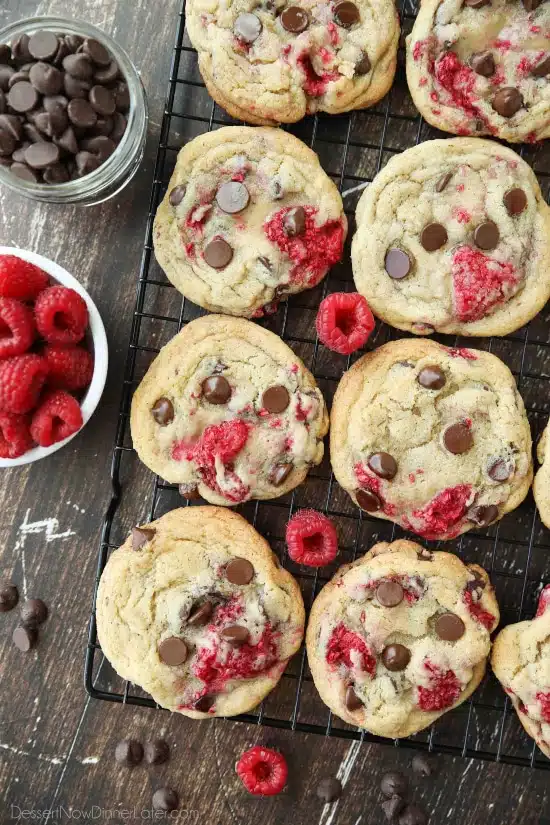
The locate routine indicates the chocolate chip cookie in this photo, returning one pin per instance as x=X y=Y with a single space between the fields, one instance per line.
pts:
x=195 y=609
x=541 y=484
x=521 y=662
x=432 y=438
x=400 y=636
x=482 y=67
x=228 y=412
x=453 y=236
x=274 y=62
x=249 y=218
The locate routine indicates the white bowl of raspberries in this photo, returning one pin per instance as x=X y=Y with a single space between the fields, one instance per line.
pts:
x=53 y=357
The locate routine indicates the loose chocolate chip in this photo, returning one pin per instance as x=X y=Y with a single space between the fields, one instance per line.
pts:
x=9 y=596
x=6 y=73
x=107 y=75
x=61 y=53
x=413 y=815
x=96 y=52
x=67 y=141
x=119 y=127
x=280 y=473
x=46 y=79
x=7 y=144
x=422 y=765
x=20 y=49
x=216 y=389
x=22 y=97
x=345 y=13
x=232 y=197
x=41 y=154
x=200 y=614
x=43 y=45
x=499 y=470
x=157 y=752
x=239 y=571
x=81 y=114
x=389 y=594
x=294 y=222
x=3 y=102
x=129 y=752
x=33 y=613
x=368 y=501
x=42 y=121
x=363 y=65
x=189 y=492
x=397 y=263
x=176 y=195
x=17 y=78
x=515 y=201
x=392 y=807
x=353 y=702
x=433 y=237
x=25 y=638
x=74 y=42
x=100 y=146
x=486 y=235
x=56 y=174
x=483 y=63
x=5 y=53
x=235 y=635
x=443 y=181
x=542 y=68
x=102 y=100
x=383 y=465
x=396 y=657
x=165 y=799
x=329 y=789
x=476 y=4
x=122 y=96
x=458 y=438
x=218 y=254
x=483 y=515
x=276 y=399
x=247 y=27
x=86 y=163
x=172 y=651
x=294 y=19
x=432 y=378
x=507 y=101
x=79 y=66
x=24 y=172
x=449 y=627
x=140 y=536
x=12 y=125
x=163 y=411
x=393 y=783
x=31 y=133
x=76 y=88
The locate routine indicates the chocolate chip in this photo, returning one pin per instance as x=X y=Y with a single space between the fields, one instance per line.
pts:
x=58 y=173
x=61 y=53
x=443 y=181
x=76 y=88
x=31 y=133
x=176 y=195
x=122 y=96
x=22 y=97
x=363 y=65
x=67 y=141
x=163 y=411
x=507 y=101
x=189 y=491
x=397 y=263
x=218 y=254
x=458 y=438
x=235 y=635
x=100 y=146
x=216 y=389
x=280 y=473
x=12 y=125
x=41 y=154
x=431 y=378
x=6 y=72
x=449 y=627
x=172 y=651
x=129 y=752
x=165 y=799
x=17 y=78
x=102 y=100
x=433 y=237
x=46 y=79
x=483 y=63
x=5 y=53
x=73 y=42
x=422 y=765
x=247 y=27
x=368 y=501
x=542 y=68
x=33 y=613
x=394 y=783
x=157 y=752
x=499 y=470
x=486 y=235
x=20 y=49
x=294 y=19
x=43 y=45
x=79 y=66
x=96 y=52
x=329 y=789
x=200 y=614
x=9 y=596
x=345 y=13
x=119 y=127
x=483 y=515
x=24 y=172
x=531 y=5
x=476 y=4
x=392 y=807
x=383 y=465
x=232 y=197
x=81 y=114
x=86 y=162
x=140 y=536
x=389 y=594
x=239 y=571
x=396 y=657
x=413 y=815
x=294 y=222
x=276 y=399
x=353 y=702
x=109 y=74
x=25 y=638
x=205 y=703
x=515 y=201
x=7 y=144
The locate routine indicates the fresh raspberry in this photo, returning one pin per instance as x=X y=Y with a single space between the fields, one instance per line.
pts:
x=21 y=380
x=15 y=436
x=71 y=368
x=443 y=692
x=20 y=279
x=544 y=699
x=61 y=315
x=262 y=771
x=346 y=647
x=344 y=322
x=58 y=416
x=544 y=601
x=311 y=539
x=17 y=328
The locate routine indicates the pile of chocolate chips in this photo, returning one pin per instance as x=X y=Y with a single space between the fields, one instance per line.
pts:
x=63 y=102
x=33 y=613
x=395 y=786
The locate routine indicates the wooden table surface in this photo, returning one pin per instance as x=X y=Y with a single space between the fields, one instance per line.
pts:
x=56 y=744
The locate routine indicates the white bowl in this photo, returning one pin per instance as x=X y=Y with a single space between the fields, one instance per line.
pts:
x=101 y=357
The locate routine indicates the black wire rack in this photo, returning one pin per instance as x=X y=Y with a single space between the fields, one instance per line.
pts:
x=515 y=551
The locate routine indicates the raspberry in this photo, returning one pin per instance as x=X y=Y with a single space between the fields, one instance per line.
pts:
x=21 y=381
x=61 y=315
x=17 y=328
x=311 y=539
x=346 y=647
x=441 y=517
x=262 y=771
x=58 y=416
x=478 y=612
x=443 y=692
x=20 y=279
x=544 y=601
x=71 y=368
x=544 y=699
x=15 y=436
x=344 y=322
x=480 y=283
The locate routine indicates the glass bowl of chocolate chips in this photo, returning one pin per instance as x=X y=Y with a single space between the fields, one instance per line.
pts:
x=73 y=112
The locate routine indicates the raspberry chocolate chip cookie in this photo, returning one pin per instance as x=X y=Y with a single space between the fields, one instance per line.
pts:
x=481 y=67
x=249 y=218
x=541 y=484
x=432 y=438
x=521 y=662
x=274 y=62
x=228 y=412
x=453 y=236
x=400 y=636
x=194 y=609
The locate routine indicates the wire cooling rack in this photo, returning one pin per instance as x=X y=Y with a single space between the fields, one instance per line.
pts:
x=516 y=551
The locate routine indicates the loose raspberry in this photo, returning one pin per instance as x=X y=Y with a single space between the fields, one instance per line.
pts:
x=21 y=381
x=348 y=648
x=443 y=691
x=262 y=771
x=71 y=368
x=58 y=416
x=344 y=322
x=61 y=315
x=17 y=328
x=20 y=279
x=311 y=539
x=15 y=436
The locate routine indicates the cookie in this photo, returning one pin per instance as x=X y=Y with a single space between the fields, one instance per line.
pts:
x=194 y=609
x=400 y=636
x=521 y=662
x=274 y=62
x=228 y=412
x=480 y=67
x=432 y=438
x=249 y=218
x=541 y=484
x=453 y=236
